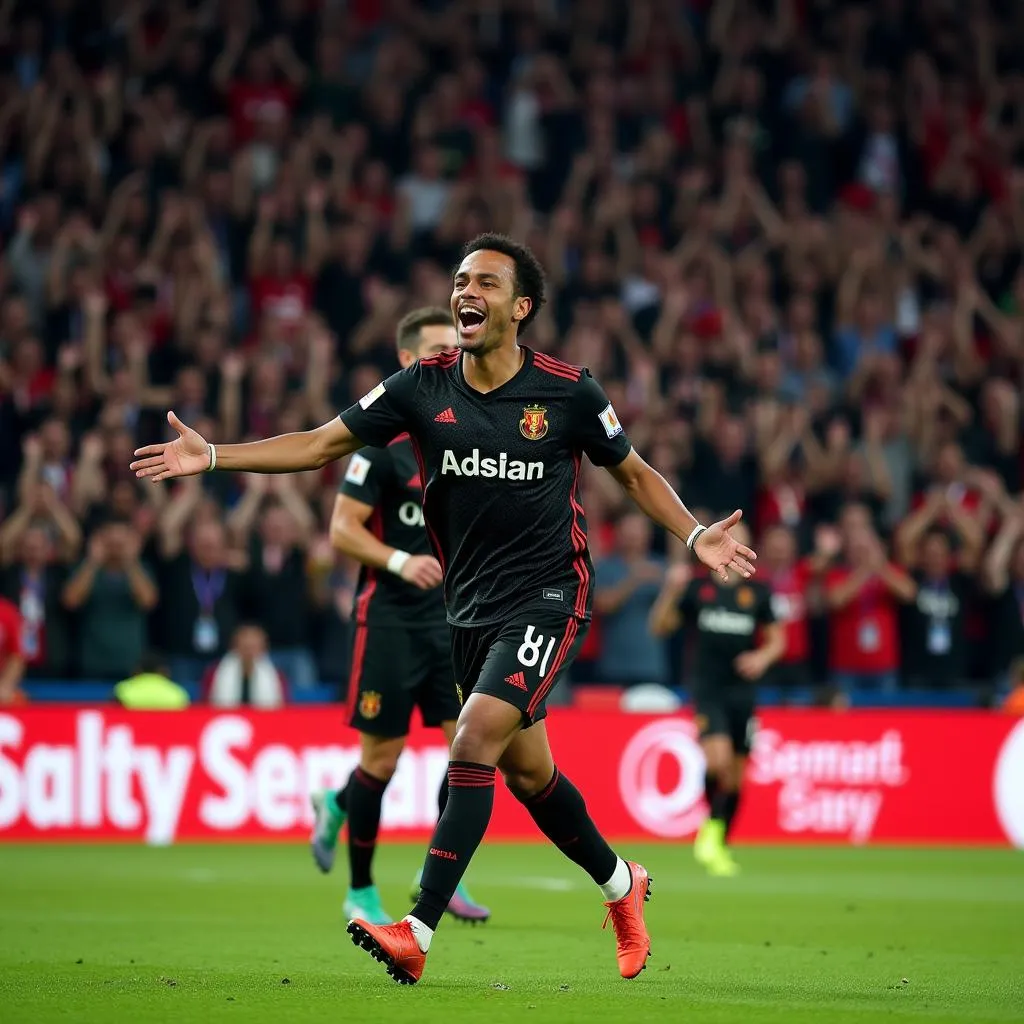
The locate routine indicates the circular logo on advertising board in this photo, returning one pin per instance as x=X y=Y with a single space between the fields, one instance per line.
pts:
x=1008 y=785
x=661 y=778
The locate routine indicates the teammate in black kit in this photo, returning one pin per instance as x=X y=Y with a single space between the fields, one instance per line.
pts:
x=400 y=656
x=737 y=641
x=500 y=432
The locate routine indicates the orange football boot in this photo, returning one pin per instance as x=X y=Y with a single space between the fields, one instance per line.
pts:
x=633 y=944
x=394 y=945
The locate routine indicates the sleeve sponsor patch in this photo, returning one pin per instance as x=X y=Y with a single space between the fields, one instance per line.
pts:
x=610 y=422
x=371 y=396
x=358 y=467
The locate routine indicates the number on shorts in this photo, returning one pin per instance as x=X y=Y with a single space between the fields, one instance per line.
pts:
x=529 y=649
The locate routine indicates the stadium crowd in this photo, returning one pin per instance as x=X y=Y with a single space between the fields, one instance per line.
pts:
x=784 y=234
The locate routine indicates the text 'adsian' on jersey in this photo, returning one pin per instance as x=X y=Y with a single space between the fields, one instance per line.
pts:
x=500 y=468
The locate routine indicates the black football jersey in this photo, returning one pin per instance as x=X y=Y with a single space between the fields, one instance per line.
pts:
x=388 y=479
x=501 y=473
x=725 y=620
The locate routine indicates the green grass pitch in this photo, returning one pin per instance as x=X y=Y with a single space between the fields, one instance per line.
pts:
x=254 y=934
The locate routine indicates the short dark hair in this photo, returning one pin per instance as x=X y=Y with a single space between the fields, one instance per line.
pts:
x=529 y=276
x=407 y=334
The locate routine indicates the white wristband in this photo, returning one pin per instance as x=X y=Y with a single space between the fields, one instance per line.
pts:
x=396 y=563
x=213 y=459
x=697 y=531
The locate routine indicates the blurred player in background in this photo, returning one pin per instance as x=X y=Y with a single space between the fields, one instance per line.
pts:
x=737 y=640
x=401 y=657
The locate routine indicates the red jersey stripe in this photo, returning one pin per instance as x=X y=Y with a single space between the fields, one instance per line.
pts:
x=356 y=673
x=579 y=541
x=556 y=371
x=558 y=364
x=401 y=437
x=376 y=526
x=443 y=359
x=434 y=542
x=571 y=629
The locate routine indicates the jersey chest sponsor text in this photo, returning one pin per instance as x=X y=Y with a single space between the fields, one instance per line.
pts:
x=499 y=467
x=410 y=513
x=720 y=620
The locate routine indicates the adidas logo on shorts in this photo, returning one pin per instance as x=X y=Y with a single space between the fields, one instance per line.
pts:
x=517 y=679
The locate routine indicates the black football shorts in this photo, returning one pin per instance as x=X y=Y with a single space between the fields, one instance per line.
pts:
x=395 y=670
x=726 y=710
x=519 y=660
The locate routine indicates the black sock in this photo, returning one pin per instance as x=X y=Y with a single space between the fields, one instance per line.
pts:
x=458 y=834
x=732 y=803
x=719 y=803
x=442 y=796
x=365 y=794
x=341 y=797
x=710 y=787
x=561 y=814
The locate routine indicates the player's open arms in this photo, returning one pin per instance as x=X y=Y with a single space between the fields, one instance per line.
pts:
x=190 y=453
x=350 y=536
x=714 y=546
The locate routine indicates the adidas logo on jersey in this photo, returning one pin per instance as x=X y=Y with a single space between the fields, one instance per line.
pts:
x=517 y=679
x=718 y=620
x=502 y=468
x=446 y=417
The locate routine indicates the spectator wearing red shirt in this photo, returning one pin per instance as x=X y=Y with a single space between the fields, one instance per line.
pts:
x=951 y=478
x=260 y=95
x=31 y=380
x=12 y=661
x=791 y=580
x=863 y=597
x=280 y=285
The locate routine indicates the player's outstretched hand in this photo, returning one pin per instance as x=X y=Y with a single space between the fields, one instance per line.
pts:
x=186 y=455
x=720 y=552
x=422 y=571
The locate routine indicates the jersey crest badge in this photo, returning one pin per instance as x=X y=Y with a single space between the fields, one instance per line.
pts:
x=534 y=424
x=744 y=597
x=369 y=704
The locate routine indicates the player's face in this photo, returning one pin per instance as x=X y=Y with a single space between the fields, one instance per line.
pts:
x=779 y=547
x=484 y=305
x=436 y=338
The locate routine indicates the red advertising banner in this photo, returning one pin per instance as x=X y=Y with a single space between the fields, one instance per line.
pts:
x=813 y=776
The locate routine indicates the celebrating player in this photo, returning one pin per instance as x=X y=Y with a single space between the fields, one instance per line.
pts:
x=500 y=432
x=401 y=656
x=738 y=640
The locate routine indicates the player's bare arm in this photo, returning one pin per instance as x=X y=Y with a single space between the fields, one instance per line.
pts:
x=350 y=536
x=665 y=617
x=190 y=453
x=714 y=546
x=753 y=664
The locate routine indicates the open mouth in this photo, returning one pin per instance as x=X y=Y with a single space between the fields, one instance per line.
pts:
x=471 y=319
